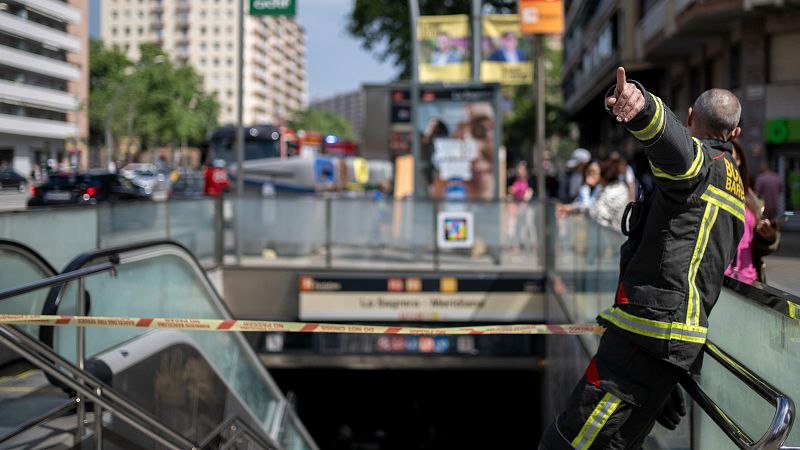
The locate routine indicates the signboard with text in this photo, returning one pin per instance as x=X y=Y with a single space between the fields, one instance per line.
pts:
x=420 y=298
x=273 y=7
x=541 y=16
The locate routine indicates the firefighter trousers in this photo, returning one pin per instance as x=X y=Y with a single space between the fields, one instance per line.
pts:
x=616 y=402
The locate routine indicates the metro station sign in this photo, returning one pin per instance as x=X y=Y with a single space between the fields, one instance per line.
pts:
x=273 y=7
x=541 y=16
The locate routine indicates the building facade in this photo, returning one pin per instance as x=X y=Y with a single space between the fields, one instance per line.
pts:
x=204 y=33
x=349 y=105
x=43 y=84
x=680 y=48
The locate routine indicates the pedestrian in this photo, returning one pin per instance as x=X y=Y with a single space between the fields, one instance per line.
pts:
x=671 y=271
x=575 y=165
x=608 y=208
x=587 y=194
x=770 y=186
x=761 y=236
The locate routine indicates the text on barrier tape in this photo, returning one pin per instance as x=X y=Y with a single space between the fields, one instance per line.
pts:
x=290 y=327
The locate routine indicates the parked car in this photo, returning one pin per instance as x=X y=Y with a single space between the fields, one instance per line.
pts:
x=11 y=180
x=85 y=188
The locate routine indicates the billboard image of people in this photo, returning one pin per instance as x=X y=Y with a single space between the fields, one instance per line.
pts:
x=458 y=143
x=506 y=53
x=444 y=48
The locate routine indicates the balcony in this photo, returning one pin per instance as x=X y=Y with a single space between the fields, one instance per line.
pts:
x=38 y=97
x=38 y=64
x=56 y=9
x=40 y=33
x=673 y=27
x=37 y=127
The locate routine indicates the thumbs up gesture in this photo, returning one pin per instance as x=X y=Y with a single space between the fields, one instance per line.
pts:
x=627 y=101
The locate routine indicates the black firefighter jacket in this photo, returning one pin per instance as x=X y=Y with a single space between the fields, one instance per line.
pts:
x=673 y=263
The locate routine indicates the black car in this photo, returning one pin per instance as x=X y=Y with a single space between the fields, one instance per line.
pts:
x=11 y=180
x=85 y=188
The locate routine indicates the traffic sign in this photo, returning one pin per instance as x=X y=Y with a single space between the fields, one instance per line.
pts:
x=541 y=16
x=273 y=7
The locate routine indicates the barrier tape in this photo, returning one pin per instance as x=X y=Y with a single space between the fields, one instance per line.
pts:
x=289 y=327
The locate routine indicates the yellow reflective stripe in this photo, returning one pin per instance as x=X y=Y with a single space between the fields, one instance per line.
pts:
x=654 y=328
x=656 y=123
x=608 y=404
x=709 y=217
x=794 y=310
x=694 y=169
x=725 y=201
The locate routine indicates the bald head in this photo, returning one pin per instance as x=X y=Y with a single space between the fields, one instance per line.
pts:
x=716 y=112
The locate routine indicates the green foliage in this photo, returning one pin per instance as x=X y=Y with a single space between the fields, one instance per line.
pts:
x=323 y=121
x=519 y=131
x=153 y=99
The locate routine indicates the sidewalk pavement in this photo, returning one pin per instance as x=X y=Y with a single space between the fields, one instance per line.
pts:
x=783 y=266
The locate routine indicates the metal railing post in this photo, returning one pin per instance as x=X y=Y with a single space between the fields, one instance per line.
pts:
x=328 y=233
x=219 y=230
x=98 y=423
x=435 y=236
x=80 y=336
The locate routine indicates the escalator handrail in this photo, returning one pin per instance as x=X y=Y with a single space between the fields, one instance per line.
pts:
x=54 y=296
x=90 y=388
x=781 y=424
x=29 y=253
x=46 y=334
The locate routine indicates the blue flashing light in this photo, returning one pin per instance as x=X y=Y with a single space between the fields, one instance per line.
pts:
x=331 y=139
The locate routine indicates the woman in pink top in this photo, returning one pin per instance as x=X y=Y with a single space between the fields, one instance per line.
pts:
x=760 y=236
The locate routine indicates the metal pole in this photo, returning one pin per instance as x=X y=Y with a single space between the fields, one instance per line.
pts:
x=240 y=106
x=98 y=425
x=476 y=40
x=538 y=155
x=328 y=233
x=419 y=186
x=80 y=335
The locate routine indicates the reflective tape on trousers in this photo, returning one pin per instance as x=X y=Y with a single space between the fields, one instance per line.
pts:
x=289 y=327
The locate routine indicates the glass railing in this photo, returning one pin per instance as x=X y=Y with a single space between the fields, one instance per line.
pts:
x=164 y=280
x=751 y=324
x=59 y=234
x=22 y=265
x=307 y=231
x=754 y=326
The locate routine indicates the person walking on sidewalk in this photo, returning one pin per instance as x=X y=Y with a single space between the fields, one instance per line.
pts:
x=671 y=269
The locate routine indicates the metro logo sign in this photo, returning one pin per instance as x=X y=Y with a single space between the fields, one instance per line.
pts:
x=541 y=16
x=273 y=7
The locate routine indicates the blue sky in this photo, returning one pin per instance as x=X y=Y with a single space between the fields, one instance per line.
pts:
x=336 y=62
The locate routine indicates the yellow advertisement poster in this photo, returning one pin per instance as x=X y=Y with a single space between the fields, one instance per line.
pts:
x=506 y=53
x=444 y=43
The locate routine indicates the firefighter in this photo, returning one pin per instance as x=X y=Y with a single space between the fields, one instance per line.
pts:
x=671 y=269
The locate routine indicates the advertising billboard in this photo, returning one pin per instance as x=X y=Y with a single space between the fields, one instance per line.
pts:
x=444 y=48
x=506 y=54
x=458 y=141
x=541 y=16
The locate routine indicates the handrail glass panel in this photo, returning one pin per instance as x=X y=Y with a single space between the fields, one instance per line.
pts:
x=166 y=285
x=57 y=235
x=768 y=343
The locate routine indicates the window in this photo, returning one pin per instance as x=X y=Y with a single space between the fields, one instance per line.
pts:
x=735 y=67
x=114 y=15
x=783 y=62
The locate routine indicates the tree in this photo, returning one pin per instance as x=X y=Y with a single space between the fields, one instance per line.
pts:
x=159 y=102
x=323 y=121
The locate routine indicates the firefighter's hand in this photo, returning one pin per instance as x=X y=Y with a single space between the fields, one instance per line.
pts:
x=674 y=409
x=627 y=101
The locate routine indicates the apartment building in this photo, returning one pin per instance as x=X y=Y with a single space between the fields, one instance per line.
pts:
x=43 y=83
x=204 y=33
x=349 y=105
x=680 y=48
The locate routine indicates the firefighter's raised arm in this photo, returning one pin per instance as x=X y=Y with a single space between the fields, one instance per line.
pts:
x=675 y=157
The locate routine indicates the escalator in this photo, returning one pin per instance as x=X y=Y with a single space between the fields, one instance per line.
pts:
x=148 y=389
